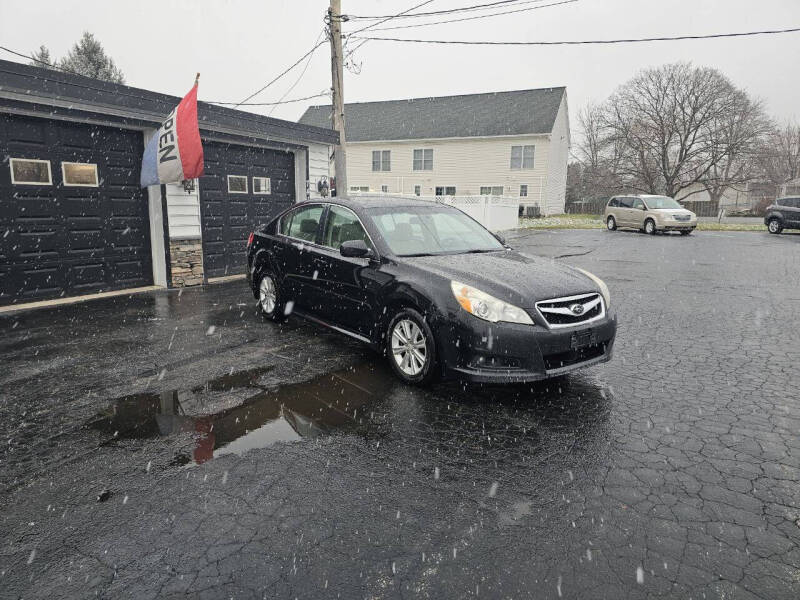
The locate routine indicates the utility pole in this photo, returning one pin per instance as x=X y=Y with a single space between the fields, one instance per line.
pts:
x=337 y=87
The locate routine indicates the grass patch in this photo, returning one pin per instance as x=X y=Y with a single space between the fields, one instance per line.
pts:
x=581 y=221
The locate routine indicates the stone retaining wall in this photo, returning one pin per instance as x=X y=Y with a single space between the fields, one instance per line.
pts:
x=186 y=262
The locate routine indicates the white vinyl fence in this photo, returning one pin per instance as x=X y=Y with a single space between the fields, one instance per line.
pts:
x=496 y=213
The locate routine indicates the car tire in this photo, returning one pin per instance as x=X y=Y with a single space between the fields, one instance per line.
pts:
x=686 y=231
x=611 y=223
x=269 y=304
x=650 y=227
x=411 y=348
x=774 y=225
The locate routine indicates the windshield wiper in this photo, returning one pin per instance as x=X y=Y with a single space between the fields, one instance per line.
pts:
x=416 y=254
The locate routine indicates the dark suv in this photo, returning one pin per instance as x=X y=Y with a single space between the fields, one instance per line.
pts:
x=784 y=214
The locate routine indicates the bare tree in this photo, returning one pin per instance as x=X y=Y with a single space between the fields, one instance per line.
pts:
x=778 y=155
x=671 y=128
x=735 y=135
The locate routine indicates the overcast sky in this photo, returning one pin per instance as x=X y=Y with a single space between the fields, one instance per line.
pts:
x=239 y=45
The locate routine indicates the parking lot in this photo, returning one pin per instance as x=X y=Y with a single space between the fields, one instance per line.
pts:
x=174 y=442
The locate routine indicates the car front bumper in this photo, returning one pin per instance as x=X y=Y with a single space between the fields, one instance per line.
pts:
x=479 y=351
x=676 y=225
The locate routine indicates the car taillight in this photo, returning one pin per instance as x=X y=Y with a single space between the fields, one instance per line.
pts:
x=250 y=239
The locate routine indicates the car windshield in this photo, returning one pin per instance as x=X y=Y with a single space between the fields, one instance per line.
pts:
x=654 y=202
x=425 y=230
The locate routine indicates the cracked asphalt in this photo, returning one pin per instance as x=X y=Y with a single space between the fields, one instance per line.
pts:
x=173 y=444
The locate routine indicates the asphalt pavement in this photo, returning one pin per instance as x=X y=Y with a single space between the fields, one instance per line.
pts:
x=172 y=443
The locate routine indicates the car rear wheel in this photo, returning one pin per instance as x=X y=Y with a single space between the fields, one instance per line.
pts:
x=611 y=223
x=686 y=231
x=269 y=304
x=650 y=227
x=774 y=225
x=410 y=348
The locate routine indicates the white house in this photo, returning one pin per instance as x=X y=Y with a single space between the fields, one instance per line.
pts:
x=500 y=143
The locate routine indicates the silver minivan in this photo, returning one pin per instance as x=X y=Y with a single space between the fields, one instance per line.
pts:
x=649 y=213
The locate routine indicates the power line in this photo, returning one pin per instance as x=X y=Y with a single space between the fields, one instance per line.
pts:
x=497 y=14
x=302 y=73
x=98 y=89
x=435 y=12
x=390 y=17
x=582 y=42
x=326 y=94
x=292 y=66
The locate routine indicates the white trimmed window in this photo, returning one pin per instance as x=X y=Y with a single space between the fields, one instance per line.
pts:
x=423 y=159
x=30 y=171
x=381 y=160
x=523 y=190
x=262 y=185
x=417 y=190
x=80 y=174
x=385 y=189
x=522 y=157
x=445 y=190
x=359 y=188
x=491 y=190
x=237 y=184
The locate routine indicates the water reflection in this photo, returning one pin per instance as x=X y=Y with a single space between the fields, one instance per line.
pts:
x=335 y=401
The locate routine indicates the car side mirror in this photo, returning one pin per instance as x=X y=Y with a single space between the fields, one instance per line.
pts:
x=355 y=249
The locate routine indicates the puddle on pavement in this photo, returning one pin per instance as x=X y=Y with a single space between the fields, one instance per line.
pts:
x=260 y=415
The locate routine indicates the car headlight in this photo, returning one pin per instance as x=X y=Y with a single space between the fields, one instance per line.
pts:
x=487 y=307
x=601 y=284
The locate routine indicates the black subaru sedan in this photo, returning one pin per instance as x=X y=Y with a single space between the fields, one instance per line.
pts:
x=431 y=288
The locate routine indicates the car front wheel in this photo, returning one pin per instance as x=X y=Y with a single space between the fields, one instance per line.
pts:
x=411 y=348
x=611 y=223
x=650 y=227
x=775 y=225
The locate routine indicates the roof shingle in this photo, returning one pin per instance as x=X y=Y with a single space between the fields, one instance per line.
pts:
x=472 y=115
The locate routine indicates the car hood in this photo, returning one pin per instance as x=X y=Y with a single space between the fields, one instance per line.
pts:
x=676 y=211
x=511 y=276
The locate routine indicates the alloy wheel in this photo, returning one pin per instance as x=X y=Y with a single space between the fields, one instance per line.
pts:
x=649 y=227
x=409 y=348
x=611 y=224
x=774 y=226
x=266 y=295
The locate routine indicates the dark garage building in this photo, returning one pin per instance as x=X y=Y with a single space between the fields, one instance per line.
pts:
x=73 y=219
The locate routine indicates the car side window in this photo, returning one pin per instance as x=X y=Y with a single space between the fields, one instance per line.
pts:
x=342 y=226
x=625 y=203
x=304 y=223
x=637 y=203
x=613 y=202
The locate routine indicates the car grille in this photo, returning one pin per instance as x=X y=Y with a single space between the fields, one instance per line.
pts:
x=682 y=217
x=572 y=310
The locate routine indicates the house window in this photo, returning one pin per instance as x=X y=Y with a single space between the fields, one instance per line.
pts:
x=491 y=190
x=385 y=189
x=417 y=190
x=381 y=160
x=423 y=159
x=523 y=190
x=29 y=171
x=522 y=157
x=80 y=174
x=445 y=190
x=237 y=184
x=262 y=185
x=359 y=188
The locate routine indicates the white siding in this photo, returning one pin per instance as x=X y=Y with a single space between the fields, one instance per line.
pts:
x=318 y=166
x=183 y=211
x=559 y=155
x=466 y=163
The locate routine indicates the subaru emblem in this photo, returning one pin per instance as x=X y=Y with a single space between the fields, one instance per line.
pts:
x=577 y=309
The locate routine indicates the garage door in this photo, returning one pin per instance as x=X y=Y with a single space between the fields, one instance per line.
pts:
x=243 y=187
x=73 y=219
